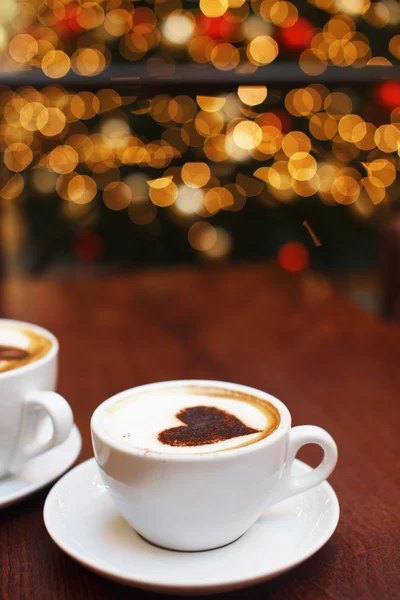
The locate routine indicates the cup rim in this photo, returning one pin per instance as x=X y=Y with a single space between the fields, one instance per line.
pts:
x=99 y=430
x=36 y=363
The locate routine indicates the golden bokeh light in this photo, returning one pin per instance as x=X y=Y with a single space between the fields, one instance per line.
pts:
x=88 y=62
x=262 y=50
x=277 y=175
x=200 y=48
x=381 y=61
x=181 y=109
x=225 y=56
x=283 y=14
x=84 y=105
x=214 y=148
x=338 y=104
x=213 y=8
x=108 y=100
x=17 y=157
x=367 y=142
x=217 y=198
x=189 y=201
x=394 y=46
x=56 y=64
x=29 y=114
x=164 y=195
x=387 y=138
x=238 y=198
x=80 y=189
x=82 y=144
x=222 y=246
x=199 y=155
x=323 y=126
x=352 y=128
x=160 y=183
x=345 y=189
x=178 y=27
x=271 y=140
x=252 y=95
x=353 y=7
x=236 y=153
x=90 y=15
x=51 y=121
x=13 y=187
x=313 y=62
x=307 y=188
x=117 y=195
x=295 y=141
x=209 y=124
x=202 y=236
x=44 y=181
x=63 y=159
x=210 y=103
x=195 y=174
x=23 y=48
x=247 y=135
x=381 y=172
x=118 y=21
x=302 y=166
x=376 y=193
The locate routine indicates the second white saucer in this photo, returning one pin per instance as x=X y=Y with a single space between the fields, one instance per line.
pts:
x=41 y=470
x=83 y=522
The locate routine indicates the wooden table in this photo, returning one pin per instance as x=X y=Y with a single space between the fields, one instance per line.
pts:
x=334 y=366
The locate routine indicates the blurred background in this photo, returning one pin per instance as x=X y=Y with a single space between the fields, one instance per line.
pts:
x=142 y=134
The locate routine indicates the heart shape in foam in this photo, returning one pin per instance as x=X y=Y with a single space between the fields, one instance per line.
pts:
x=204 y=425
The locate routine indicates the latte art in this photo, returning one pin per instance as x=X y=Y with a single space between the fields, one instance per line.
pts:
x=204 y=425
x=19 y=347
x=190 y=420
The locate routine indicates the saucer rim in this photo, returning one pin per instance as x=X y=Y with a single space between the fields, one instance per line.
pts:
x=32 y=488
x=193 y=588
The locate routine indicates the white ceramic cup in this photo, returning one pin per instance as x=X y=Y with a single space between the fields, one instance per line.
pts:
x=200 y=501
x=27 y=400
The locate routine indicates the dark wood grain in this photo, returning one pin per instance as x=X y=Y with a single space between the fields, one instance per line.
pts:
x=332 y=364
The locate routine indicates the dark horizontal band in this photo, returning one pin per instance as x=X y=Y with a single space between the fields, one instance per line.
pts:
x=192 y=78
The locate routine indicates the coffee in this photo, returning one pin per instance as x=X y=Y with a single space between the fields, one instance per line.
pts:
x=190 y=420
x=20 y=346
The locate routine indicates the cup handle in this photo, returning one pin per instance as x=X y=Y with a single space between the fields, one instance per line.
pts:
x=290 y=485
x=37 y=405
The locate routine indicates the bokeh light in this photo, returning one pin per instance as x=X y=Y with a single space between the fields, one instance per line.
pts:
x=189 y=155
x=293 y=257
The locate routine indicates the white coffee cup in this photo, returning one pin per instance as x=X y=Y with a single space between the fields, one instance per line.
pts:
x=27 y=400
x=193 y=502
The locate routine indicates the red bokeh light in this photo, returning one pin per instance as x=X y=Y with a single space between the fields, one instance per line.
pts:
x=88 y=247
x=218 y=28
x=388 y=94
x=284 y=118
x=69 y=24
x=293 y=257
x=298 y=36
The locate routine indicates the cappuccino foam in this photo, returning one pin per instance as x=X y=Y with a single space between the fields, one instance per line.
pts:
x=19 y=347
x=190 y=420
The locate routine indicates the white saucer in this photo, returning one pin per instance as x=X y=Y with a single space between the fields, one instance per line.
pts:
x=81 y=519
x=41 y=470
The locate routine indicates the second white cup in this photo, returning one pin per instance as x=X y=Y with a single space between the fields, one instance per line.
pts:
x=27 y=398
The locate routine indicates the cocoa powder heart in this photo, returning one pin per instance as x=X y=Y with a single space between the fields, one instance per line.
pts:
x=204 y=425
